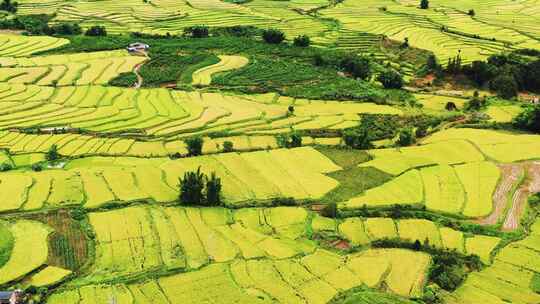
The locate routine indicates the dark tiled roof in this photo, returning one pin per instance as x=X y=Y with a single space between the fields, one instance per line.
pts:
x=5 y=295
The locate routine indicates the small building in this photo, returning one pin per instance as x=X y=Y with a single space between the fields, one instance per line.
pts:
x=11 y=297
x=138 y=47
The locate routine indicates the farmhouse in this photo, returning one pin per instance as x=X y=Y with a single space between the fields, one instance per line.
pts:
x=11 y=297
x=137 y=47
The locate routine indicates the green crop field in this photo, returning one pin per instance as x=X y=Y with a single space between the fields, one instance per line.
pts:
x=258 y=151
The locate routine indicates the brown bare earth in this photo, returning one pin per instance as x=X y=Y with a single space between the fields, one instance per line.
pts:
x=510 y=174
x=519 y=199
x=68 y=246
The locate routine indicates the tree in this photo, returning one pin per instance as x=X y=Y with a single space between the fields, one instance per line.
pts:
x=191 y=187
x=480 y=72
x=405 y=43
x=330 y=210
x=52 y=154
x=529 y=119
x=505 y=86
x=424 y=4
x=471 y=13
x=357 y=138
x=302 y=41
x=391 y=79
x=197 y=31
x=290 y=110
x=432 y=64
x=406 y=137
x=5 y=167
x=358 y=67
x=295 y=140
x=194 y=145
x=417 y=245
x=228 y=146
x=450 y=106
x=9 y=6
x=67 y=29
x=532 y=76
x=96 y=30
x=273 y=36
x=213 y=190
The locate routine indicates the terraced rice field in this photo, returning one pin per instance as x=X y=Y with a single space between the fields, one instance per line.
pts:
x=507 y=279
x=203 y=76
x=104 y=224
x=66 y=70
x=496 y=26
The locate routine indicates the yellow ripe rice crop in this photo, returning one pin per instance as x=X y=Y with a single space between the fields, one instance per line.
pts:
x=29 y=252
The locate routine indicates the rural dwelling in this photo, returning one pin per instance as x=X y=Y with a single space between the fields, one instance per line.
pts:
x=137 y=47
x=11 y=297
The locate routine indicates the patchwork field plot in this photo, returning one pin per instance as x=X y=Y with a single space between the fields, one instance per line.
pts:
x=169 y=114
x=227 y=63
x=30 y=237
x=20 y=46
x=65 y=70
x=509 y=278
x=314 y=278
x=466 y=189
x=248 y=178
x=500 y=146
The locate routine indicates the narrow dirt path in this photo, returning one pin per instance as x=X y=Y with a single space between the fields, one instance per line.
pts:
x=519 y=199
x=510 y=174
x=139 y=82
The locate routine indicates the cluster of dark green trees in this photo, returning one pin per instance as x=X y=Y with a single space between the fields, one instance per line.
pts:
x=196 y=188
x=506 y=74
x=529 y=119
x=39 y=25
x=9 y=6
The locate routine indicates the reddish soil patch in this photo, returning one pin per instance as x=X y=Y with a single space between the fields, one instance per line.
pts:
x=342 y=245
x=519 y=199
x=510 y=176
x=317 y=207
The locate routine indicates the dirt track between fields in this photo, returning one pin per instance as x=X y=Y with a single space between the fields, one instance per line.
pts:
x=510 y=174
x=530 y=186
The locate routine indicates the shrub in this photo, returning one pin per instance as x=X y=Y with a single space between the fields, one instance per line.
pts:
x=302 y=41
x=194 y=145
x=197 y=31
x=480 y=72
x=9 y=6
x=505 y=86
x=5 y=167
x=96 y=30
x=532 y=76
x=78 y=214
x=432 y=63
x=358 y=67
x=424 y=4
x=406 y=137
x=357 y=138
x=36 y=167
x=471 y=13
x=213 y=190
x=529 y=119
x=330 y=210
x=318 y=60
x=228 y=146
x=191 y=187
x=66 y=29
x=295 y=140
x=291 y=140
x=450 y=106
x=52 y=154
x=391 y=79
x=273 y=36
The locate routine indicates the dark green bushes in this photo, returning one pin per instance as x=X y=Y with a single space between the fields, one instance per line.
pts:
x=390 y=79
x=273 y=36
x=96 y=31
x=9 y=6
x=302 y=41
x=198 y=189
x=194 y=145
x=529 y=119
